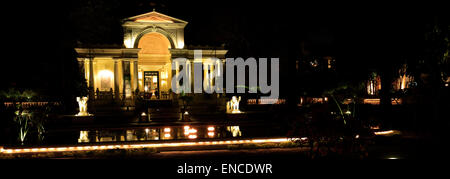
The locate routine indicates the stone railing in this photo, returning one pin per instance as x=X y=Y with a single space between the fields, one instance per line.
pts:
x=28 y=104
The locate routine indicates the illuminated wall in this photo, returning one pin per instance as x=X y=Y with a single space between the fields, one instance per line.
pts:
x=155 y=56
x=137 y=26
x=151 y=40
x=154 y=43
x=103 y=74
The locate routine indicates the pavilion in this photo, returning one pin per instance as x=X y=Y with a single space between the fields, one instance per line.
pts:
x=143 y=65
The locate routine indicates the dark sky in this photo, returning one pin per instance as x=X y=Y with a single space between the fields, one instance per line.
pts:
x=41 y=35
x=218 y=22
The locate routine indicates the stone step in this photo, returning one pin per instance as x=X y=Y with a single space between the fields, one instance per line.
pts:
x=164 y=110
x=159 y=103
x=163 y=117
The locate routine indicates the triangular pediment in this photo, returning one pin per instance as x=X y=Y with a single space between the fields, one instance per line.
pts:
x=155 y=17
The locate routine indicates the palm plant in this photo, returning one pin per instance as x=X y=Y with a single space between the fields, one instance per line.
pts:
x=346 y=97
x=23 y=119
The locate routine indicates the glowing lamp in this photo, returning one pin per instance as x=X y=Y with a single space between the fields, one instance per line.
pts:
x=211 y=134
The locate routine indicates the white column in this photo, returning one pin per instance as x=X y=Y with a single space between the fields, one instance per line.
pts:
x=177 y=71
x=91 y=73
x=91 y=79
x=135 y=75
x=116 y=80
x=188 y=74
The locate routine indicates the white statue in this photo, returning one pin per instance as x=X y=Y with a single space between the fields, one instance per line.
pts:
x=82 y=104
x=233 y=105
x=83 y=137
x=235 y=131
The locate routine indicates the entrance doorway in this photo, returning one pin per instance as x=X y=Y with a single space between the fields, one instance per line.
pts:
x=151 y=84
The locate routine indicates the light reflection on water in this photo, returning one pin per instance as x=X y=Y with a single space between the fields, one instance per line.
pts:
x=159 y=133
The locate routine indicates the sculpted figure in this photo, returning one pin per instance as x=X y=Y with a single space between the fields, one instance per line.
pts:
x=233 y=105
x=82 y=104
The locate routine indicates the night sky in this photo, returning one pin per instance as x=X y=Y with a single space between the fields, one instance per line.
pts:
x=41 y=36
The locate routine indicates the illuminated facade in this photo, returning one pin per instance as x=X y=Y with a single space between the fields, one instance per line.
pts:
x=144 y=64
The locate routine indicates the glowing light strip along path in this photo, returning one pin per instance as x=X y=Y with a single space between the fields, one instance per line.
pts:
x=134 y=146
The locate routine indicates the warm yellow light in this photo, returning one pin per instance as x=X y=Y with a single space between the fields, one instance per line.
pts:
x=106 y=75
x=211 y=134
x=180 y=44
x=166 y=129
x=235 y=131
x=192 y=130
x=384 y=132
x=83 y=137
x=375 y=101
x=210 y=128
x=233 y=105
x=164 y=75
x=403 y=82
x=174 y=144
x=128 y=42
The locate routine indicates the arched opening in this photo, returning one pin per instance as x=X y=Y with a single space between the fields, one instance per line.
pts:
x=154 y=43
x=154 y=64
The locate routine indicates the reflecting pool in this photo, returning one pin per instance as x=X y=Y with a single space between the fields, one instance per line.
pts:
x=180 y=132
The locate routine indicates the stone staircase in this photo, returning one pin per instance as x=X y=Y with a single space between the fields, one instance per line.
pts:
x=111 y=111
x=163 y=110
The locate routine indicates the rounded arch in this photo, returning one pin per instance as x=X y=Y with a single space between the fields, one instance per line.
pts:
x=154 y=43
x=154 y=29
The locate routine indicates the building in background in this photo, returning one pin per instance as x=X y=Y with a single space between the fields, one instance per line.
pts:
x=144 y=65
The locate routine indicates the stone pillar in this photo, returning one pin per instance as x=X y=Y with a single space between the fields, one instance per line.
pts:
x=116 y=80
x=135 y=75
x=91 y=72
x=206 y=76
x=211 y=76
x=81 y=67
x=177 y=71
x=126 y=78
x=91 y=79
x=189 y=74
